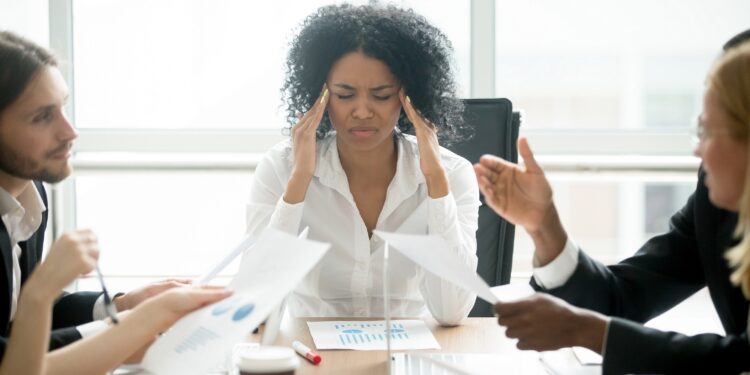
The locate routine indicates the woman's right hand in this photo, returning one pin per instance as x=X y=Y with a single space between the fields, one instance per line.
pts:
x=303 y=146
x=73 y=254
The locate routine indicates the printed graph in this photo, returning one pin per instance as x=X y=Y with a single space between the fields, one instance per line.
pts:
x=406 y=334
x=361 y=333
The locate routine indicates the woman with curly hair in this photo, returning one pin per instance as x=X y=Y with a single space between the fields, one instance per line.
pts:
x=360 y=81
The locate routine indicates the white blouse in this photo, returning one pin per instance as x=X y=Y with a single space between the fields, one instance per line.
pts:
x=348 y=280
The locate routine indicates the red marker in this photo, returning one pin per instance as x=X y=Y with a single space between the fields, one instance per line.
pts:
x=306 y=352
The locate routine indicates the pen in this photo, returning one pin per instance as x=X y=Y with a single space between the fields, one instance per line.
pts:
x=107 y=301
x=306 y=352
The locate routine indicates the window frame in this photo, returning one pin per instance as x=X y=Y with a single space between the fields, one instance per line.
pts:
x=654 y=151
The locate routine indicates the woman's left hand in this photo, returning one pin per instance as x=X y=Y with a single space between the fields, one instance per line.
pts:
x=429 y=149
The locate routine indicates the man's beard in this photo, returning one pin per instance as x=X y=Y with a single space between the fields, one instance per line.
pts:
x=18 y=165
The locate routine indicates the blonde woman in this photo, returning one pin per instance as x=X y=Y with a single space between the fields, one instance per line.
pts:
x=613 y=302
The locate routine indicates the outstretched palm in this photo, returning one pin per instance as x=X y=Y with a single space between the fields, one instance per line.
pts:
x=522 y=195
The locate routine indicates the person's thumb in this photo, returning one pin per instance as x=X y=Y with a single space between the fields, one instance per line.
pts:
x=528 y=157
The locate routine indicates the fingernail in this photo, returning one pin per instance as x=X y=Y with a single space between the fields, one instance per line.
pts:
x=408 y=99
x=323 y=98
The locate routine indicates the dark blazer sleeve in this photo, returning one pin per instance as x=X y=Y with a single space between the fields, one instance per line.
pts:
x=74 y=309
x=665 y=271
x=634 y=348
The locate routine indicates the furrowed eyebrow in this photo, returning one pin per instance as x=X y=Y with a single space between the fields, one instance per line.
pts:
x=352 y=88
x=344 y=86
x=382 y=87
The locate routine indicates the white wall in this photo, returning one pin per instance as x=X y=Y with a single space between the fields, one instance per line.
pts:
x=29 y=18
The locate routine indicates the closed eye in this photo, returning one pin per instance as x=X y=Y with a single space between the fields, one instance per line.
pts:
x=382 y=98
x=344 y=97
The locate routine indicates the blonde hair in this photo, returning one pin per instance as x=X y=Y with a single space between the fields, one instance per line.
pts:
x=730 y=78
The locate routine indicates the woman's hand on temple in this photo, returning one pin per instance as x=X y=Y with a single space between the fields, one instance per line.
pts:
x=429 y=149
x=303 y=146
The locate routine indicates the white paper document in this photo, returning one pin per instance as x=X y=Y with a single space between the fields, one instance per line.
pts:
x=519 y=362
x=371 y=335
x=246 y=243
x=587 y=357
x=512 y=292
x=267 y=273
x=430 y=253
x=564 y=362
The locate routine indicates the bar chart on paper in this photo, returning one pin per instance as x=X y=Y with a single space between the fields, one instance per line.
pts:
x=371 y=335
x=359 y=333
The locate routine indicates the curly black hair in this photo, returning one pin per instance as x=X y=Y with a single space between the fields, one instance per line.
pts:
x=417 y=53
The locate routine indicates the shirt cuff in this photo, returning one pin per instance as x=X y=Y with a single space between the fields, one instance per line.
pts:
x=287 y=217
x=559 y=270
x=442 y=214
x=91 y=328
x=606 y=336
x=100 y=309
x=100 y=312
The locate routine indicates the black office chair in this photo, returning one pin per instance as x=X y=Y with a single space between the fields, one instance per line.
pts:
x=495 y=132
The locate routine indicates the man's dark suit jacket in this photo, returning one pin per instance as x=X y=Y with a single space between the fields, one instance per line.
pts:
x=665 y=271
x=69 y=310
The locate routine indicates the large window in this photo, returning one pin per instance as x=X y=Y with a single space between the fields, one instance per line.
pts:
x=171 y=64
x=610 y=215
x=608 y=64
x=607 y=86
x=176 y=101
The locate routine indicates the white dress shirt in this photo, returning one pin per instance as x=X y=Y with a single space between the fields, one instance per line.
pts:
x=348 y=280
x=557 y=272
x=22 y=218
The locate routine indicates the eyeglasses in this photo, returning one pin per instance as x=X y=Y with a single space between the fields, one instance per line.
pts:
x=108 y=305
x=701 y=133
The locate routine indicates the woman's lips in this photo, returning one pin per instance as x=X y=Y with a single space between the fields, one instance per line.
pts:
x=363 y=132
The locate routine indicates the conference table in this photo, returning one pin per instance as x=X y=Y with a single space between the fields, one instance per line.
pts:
x=475 y=335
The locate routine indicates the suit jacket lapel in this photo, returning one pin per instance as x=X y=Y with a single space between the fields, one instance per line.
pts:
x=28 y=258
x=736 y=304
x=7 y=253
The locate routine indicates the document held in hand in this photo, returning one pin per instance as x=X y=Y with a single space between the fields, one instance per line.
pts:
x=268 y=272
x=430 y=253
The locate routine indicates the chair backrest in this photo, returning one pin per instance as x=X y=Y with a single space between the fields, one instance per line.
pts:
x=495 y=132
